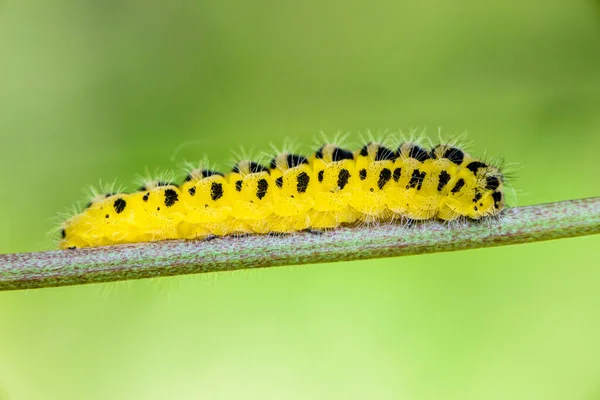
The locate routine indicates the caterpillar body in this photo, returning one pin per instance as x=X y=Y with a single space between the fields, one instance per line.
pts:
x=330 y=188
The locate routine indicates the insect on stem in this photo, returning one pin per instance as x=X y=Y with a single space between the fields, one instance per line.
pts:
x=154 y=259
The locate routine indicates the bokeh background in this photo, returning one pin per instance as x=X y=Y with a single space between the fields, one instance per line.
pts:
x=94 y=91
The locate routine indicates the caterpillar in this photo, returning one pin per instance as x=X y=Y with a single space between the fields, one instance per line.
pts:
x=331 y=188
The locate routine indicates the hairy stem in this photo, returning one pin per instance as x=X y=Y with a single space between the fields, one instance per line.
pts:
x=146 y=260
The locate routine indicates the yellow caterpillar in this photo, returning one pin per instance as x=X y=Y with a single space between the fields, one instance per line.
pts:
x=331 y=188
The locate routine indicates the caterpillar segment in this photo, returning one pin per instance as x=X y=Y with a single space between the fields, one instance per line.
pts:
x=328 y=189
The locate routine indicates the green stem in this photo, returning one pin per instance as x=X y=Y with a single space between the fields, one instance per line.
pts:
x=147 y=260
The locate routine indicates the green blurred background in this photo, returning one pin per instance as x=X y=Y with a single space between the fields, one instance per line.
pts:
x=95 y=91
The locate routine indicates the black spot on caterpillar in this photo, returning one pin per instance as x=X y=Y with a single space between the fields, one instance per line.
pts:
x=497 y=196
x=303 y=180
x=383 y=153
x=443 y=180
x=416 y=180
x=492 y=183
x=418 y=153
x=253 y=168
x=216 y=191
x=384 y=176
x=455 y=155
x=291 y=161
x=343 y=178
x=119 y=205
x=157 y=184
x=262 y=187
x=451 y=153
x=475 y=165
x=337 y=154
x=170 y=197
x=205 y=173
x=294 y=160
x=459 y=184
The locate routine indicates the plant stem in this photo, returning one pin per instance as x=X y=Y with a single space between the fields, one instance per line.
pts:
x=154 y=259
